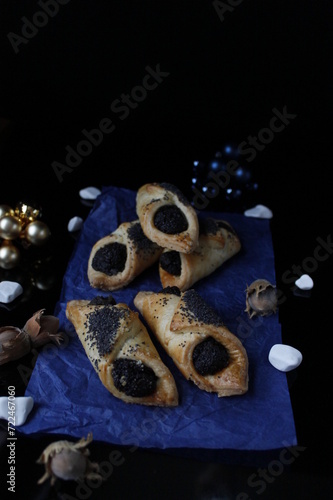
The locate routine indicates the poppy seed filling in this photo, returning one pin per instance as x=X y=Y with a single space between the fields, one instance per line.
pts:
x=169 y=219
x=212 y=226
x=133 y=378
x=140 y=240
x=99 y=300
x=171 y=262
x=110 y=259
x=210 y=357
x=197 y=308
x=102 y=327
x=171 y=290
x=176 y=191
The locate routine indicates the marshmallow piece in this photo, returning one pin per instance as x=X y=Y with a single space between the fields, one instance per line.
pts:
x=9 y=290
x=23 y=406
x=284 y=357
x=259 y=211
x=305 y=282
x=75 y=224
x=89 y=193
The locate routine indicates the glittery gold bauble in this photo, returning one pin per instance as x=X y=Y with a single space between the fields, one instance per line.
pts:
x=10 y=227
x=37 y=232
x=6 y=210
x=9 y=255
x=26 y=213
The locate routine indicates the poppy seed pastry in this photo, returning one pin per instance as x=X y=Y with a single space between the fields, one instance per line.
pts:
x=118 y=258
x=167 y=217
x=193 y=334
x=218 y=242
x=122 y=353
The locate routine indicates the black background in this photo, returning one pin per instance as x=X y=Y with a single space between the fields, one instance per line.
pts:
x=225 y=78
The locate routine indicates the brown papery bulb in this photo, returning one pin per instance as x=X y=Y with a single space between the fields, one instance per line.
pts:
x=69 y=464
x=68 y=461
x=14 y=343
x=261 y=298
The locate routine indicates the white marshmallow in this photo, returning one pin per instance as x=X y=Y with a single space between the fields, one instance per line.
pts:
x=305 y=282
x=89 y=193
x=9 y=290
x=75 y=224
x=284 y=357
x=259 y=211
x=22 y=407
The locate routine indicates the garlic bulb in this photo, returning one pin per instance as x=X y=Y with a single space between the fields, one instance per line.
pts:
x=14 y=343
x=38 y=331
x=68 y=461
x=261 y=298
x=69 y=464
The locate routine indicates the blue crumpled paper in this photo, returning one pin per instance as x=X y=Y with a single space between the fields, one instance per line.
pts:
x=71 y=400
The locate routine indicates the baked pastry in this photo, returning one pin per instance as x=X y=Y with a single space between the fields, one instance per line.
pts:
x=121 y=351
x=118 y=258
x=167 y=217
x=192 y=333
x=218 y=242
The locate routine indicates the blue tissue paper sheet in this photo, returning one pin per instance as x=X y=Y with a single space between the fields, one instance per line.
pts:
x=71 y=400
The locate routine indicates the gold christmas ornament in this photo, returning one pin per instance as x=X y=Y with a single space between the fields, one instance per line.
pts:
x=10 y=227
x=6 y=210
x=26 y=213
x=22 y=223
x=37 y=232
x=9 y=255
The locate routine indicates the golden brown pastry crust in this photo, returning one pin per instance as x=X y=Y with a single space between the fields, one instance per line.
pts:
x=141 y=254
x=214 y=248
x=181 y=323
x=150 y=198
x=128 y=339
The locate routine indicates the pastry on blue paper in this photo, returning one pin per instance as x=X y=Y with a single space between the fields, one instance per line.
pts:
x=167 y=217
x=118 y=258
x=121 y=351
x=196 y=339
x=218 y=242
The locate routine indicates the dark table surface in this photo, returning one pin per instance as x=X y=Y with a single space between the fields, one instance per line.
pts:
x=223 y=71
